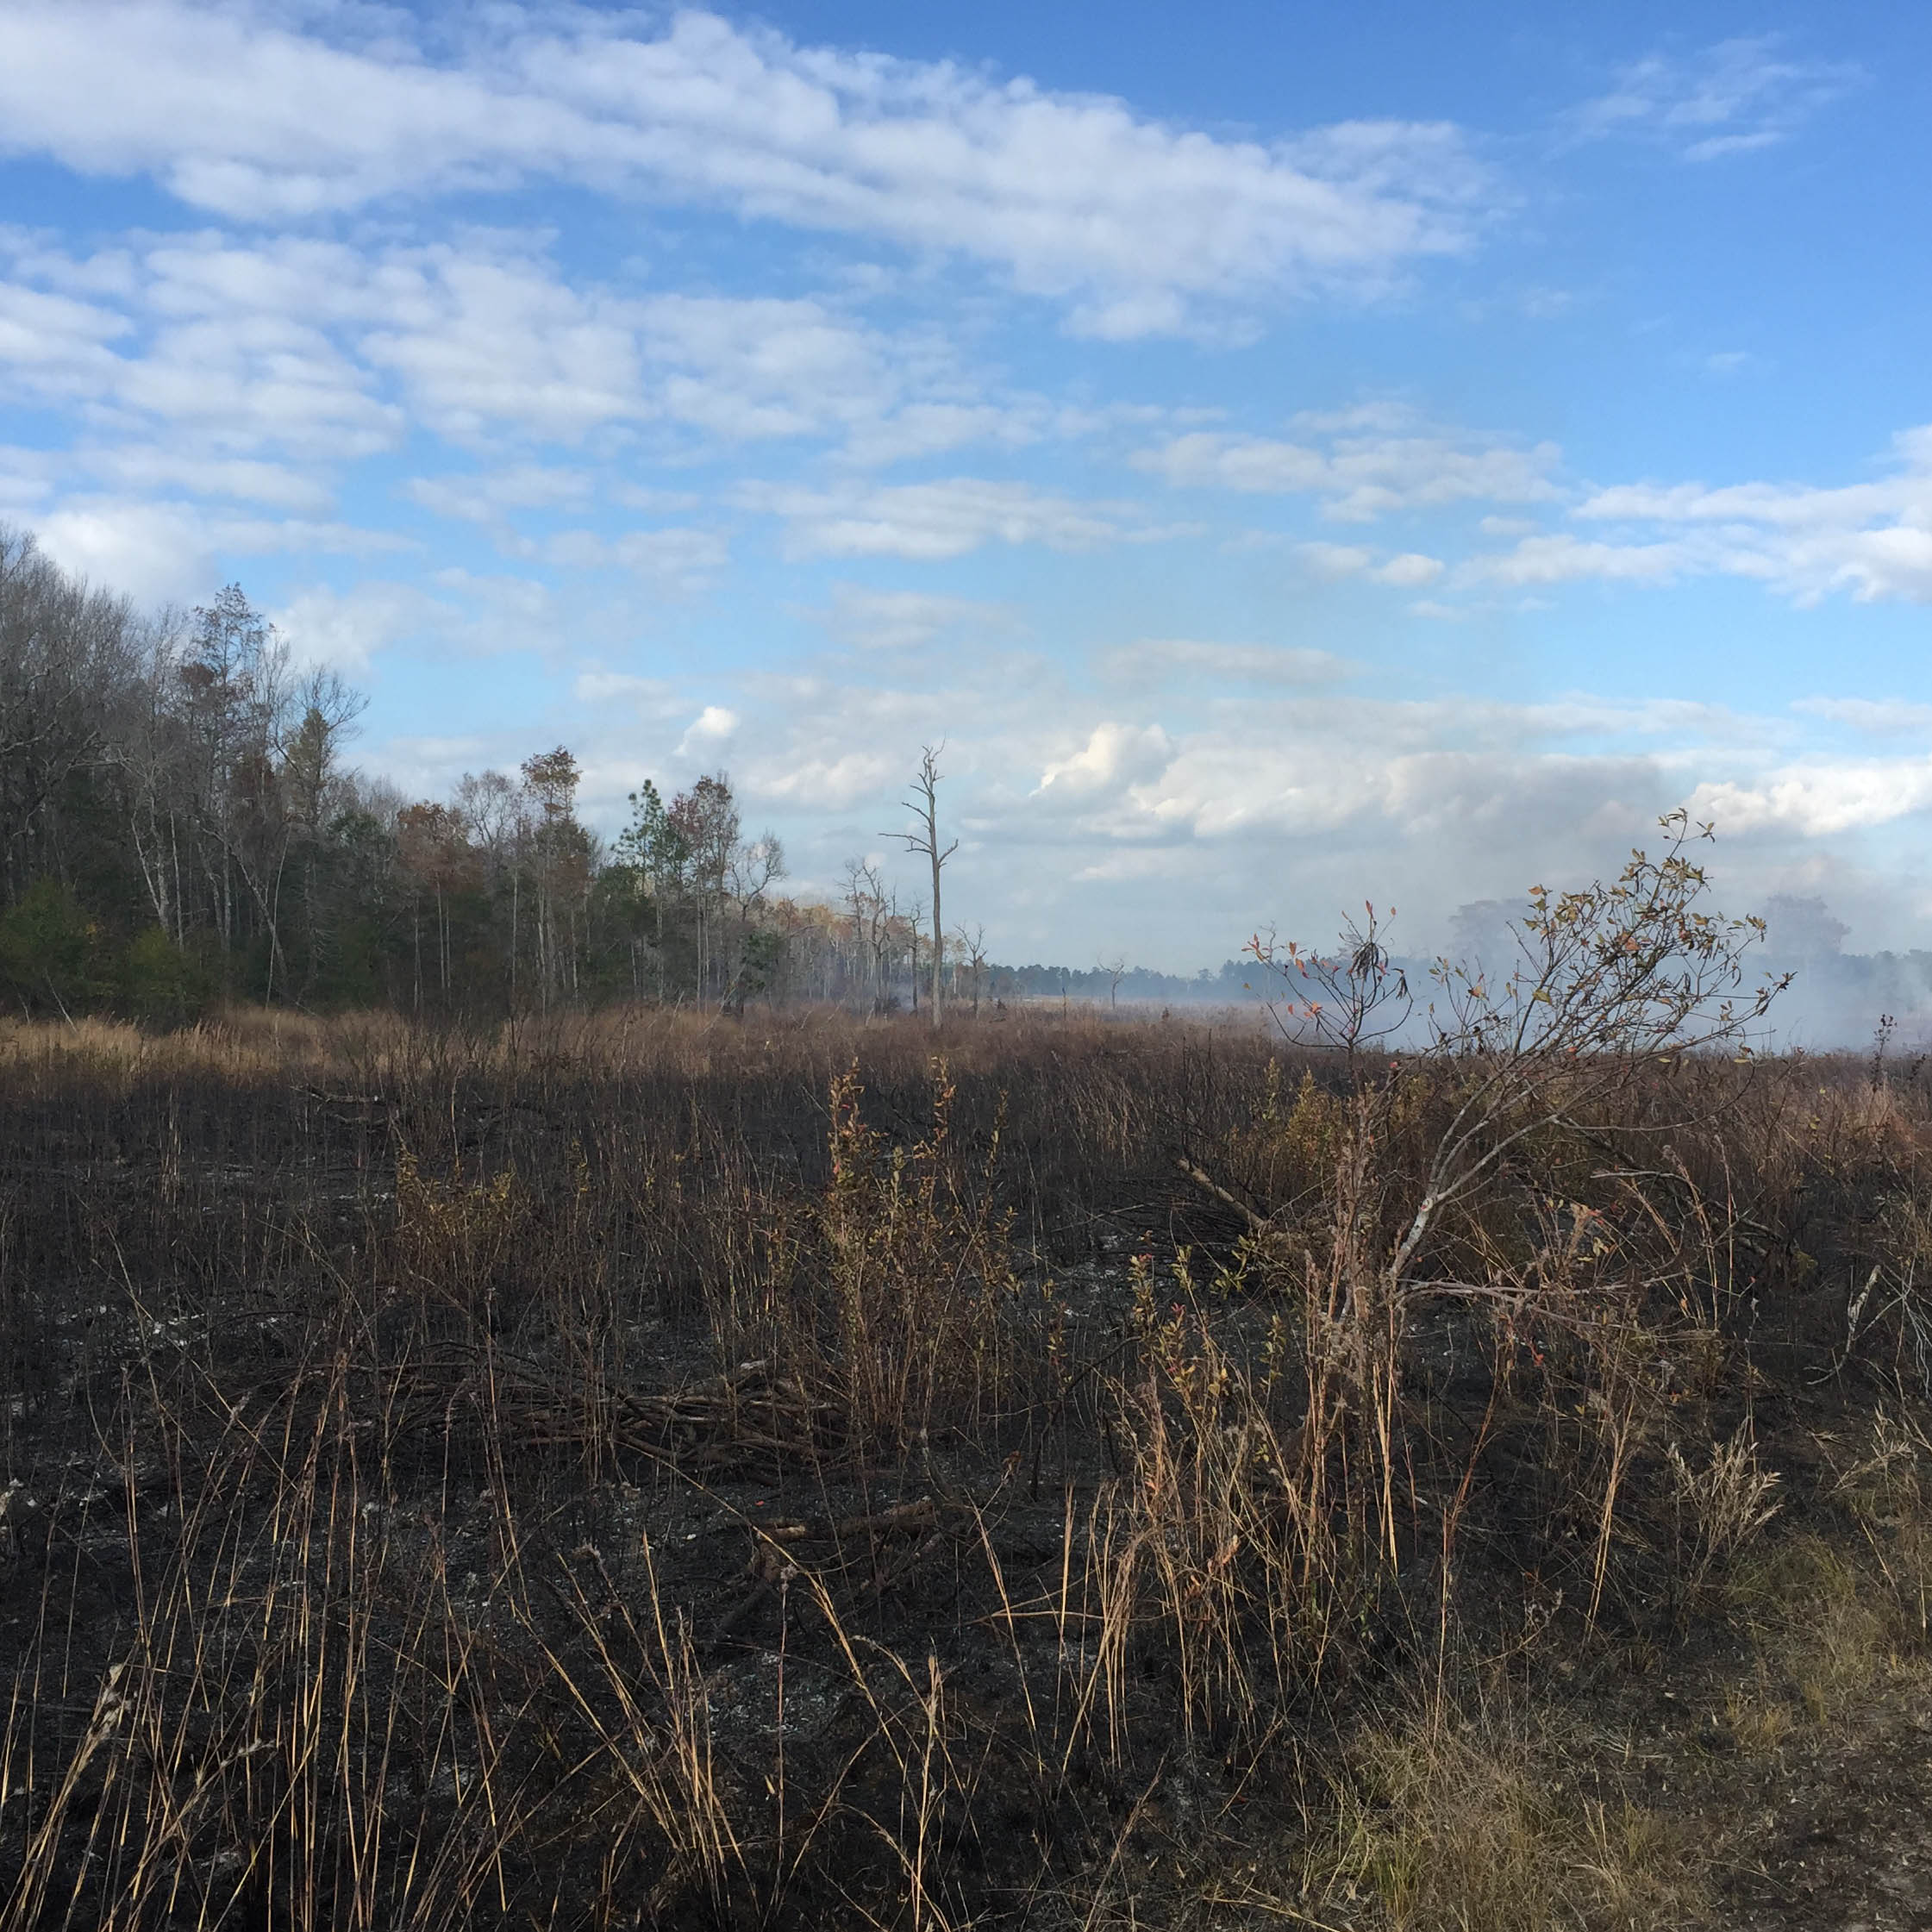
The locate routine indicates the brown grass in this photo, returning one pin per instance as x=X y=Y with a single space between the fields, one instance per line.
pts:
x=647 y=1469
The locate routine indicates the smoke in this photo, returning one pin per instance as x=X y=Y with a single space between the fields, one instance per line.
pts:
x=1836 y=1000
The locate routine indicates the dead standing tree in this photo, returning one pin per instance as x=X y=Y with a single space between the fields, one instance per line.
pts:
x=969 y=942
x=924 y=806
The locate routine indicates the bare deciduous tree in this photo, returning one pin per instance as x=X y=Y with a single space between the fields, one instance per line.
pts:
x=865 y=892
x=924 y=806
x=970 y=943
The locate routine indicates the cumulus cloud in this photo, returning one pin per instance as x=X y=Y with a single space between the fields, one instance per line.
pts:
x=1132 y=222
x=1335 y=560
x=165 y=552
x=709 y=732
x=1410 y=571
x=835 y=783
x=1820 y=799
x=157 y=553
x=1114 y=755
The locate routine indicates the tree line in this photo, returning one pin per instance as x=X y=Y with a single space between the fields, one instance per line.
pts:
x=179 y=825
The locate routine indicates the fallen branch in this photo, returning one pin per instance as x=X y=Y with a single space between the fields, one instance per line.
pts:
x=1258 y=1224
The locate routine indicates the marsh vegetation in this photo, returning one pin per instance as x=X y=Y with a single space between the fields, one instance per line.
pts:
x=642 y=1469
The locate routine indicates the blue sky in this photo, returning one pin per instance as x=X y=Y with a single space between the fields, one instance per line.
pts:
x=1290 y=455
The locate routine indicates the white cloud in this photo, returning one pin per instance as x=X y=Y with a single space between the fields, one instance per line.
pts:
x=913 y=429
x=1732 y=98
x=1335 y=560
x=1563 y=558
x=347 y=629
x=684 y=558
x=492 y=335
x=27 y=478
x=490 y=496
x=165 y=552
x=1366 y=776
x=745 y=369
x=334 y=351
x=1113 y=756
x=238 y=376
x=652 y=697
x=1880 y=717
x=429 y=767
x=1135 y=223
x=905 y=620
x=155 y=553
x=827 y=783
x=458 y=616
x=1819 y=800
x=931 y=522
x=1096 y=818
x=51 y=345
x=503 y=340
x=1873 y=539
x=1367 y=468
x=1155 y=660
x=709 y=732
x=484 y=615
x=1410 y=571
x=238 y=479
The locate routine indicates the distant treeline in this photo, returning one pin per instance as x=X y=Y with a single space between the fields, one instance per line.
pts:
x=1236 y=981
x=179 y=826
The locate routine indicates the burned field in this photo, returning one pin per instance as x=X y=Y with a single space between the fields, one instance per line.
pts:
x=640 y=1471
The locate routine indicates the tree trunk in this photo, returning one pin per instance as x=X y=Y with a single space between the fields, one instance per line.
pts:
x=939 y=931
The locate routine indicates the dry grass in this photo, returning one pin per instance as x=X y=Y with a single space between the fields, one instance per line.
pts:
x=642 y=1469
x=1484 y=1819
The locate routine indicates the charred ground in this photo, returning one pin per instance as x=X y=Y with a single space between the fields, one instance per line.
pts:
x=640 y=1471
